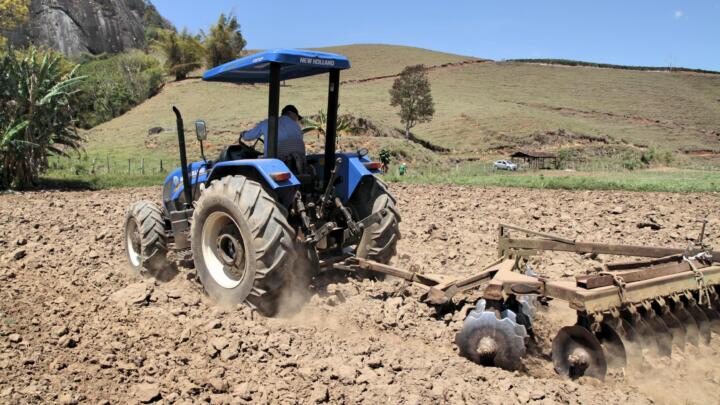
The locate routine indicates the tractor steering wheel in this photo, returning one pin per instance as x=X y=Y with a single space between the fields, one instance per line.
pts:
x=249 y=150
x=242 y=142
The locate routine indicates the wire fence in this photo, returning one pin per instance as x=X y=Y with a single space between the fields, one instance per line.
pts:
x=106 y=165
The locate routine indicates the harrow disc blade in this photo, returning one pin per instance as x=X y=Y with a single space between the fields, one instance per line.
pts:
x=576 y=352
x=527 y=307
x=703 y=323
x=613 y=346
x=676 y=328
x=627 y=335
x=662 y=334
x=645 y=336
x=714 y=318
x=490 y=341
x=692 y=333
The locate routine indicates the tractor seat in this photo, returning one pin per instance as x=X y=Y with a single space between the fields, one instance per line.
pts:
x=237 y=152
x=298 y=165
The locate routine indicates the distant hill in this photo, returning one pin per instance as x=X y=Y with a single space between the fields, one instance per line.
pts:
x=483 y=108
x=74 y=27
x=570 y=62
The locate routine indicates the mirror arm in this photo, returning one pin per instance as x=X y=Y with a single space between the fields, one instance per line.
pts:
x=202 y=152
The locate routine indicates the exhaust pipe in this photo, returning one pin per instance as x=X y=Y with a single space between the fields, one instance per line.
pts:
x=183 y=158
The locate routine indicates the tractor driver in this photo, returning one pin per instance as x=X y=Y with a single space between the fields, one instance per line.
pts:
x=290 y=135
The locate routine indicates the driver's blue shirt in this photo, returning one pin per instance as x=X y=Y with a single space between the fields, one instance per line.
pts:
x=290 y=136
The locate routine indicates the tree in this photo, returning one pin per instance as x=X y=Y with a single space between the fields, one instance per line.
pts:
x=12 y=13
x=37 y=102
x=225 y=42
x=411 y=91
x=183 y=52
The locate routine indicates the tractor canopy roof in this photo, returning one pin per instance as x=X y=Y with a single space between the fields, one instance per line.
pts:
x=293 y=64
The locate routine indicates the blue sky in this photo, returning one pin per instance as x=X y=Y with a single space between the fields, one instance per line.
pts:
x=631 y=32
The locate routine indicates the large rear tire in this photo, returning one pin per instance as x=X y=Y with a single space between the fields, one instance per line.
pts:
x=146 y=241
x=242 y=244
x=379 y=241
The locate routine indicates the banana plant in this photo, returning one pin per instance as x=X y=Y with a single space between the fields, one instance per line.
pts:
x=318 y=123
x=38 y=118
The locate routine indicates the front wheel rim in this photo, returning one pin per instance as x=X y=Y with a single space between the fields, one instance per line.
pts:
x=223 y=250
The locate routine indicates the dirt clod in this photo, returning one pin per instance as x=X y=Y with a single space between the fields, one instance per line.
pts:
x=146 y=393
x=319 y=394
x=19 y=254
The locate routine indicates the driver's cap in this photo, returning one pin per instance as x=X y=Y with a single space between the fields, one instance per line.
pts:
x=291 y=108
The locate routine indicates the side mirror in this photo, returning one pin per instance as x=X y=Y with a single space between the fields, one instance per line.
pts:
x=362 y=152
x=200 y=130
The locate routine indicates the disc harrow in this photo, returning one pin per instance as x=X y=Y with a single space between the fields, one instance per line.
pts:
x=625 y=311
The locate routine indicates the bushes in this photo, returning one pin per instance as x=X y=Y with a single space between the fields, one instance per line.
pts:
x=658 y=156
x=115 y=84
x=565 y=157
x=37 y=101
x=631 y=161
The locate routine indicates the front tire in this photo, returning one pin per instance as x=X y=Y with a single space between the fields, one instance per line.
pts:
x=146 y=241
x=242 y=244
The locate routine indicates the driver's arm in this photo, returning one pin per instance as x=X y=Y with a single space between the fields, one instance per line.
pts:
x=255 y=133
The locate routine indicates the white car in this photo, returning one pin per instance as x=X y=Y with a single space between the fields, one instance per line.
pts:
x=504 y=165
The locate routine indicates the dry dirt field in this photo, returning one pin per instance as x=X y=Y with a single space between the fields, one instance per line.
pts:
x=77 y=327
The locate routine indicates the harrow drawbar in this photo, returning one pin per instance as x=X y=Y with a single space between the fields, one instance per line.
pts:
x=625 y=311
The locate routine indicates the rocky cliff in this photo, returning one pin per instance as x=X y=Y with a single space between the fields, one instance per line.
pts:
x=95 y=26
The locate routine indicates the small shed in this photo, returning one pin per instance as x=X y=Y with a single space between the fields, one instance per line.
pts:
x=536 y=160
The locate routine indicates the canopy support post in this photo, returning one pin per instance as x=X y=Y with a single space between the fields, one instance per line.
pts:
x=331 y=129
x=273 y=111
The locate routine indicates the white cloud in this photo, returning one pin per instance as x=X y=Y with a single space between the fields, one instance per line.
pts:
x=679 y=14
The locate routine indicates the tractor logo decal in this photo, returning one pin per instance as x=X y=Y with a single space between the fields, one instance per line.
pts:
x=177 y=184
x=317 y=61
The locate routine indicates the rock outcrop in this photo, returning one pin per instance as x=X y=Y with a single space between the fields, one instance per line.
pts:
x=95 y=26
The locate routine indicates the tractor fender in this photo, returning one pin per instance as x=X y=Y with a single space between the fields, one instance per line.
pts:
x=353 y=170
x=260 y=170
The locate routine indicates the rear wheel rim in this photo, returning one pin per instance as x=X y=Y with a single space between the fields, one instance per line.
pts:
x=223 y=250
x=133 y=242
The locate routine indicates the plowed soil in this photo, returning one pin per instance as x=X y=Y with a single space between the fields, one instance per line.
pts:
x=78 y=327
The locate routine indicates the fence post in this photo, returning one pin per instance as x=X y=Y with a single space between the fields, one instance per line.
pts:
x=142 y=166
x=92 y=169
x=107 y=161
x=128 y=166
x=161 y=167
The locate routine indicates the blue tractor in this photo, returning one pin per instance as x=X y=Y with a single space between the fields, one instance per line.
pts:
x=257 y=227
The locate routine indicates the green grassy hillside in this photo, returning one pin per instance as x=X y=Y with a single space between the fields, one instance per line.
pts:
x=483 y=108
